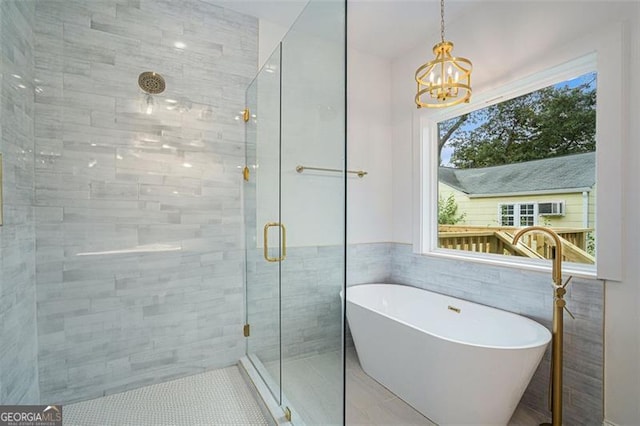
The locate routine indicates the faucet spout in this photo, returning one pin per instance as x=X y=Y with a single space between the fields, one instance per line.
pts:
x=556 y=271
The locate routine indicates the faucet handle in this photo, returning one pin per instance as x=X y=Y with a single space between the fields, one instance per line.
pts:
x=569 y=312
x=561 y=303
x=567 y=281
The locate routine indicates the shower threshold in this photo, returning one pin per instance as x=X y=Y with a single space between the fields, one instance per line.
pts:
x=274 y=412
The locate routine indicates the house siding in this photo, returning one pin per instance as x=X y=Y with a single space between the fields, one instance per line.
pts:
x=484 y=211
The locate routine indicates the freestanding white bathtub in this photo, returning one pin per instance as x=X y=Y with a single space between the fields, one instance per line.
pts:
x=455 y=361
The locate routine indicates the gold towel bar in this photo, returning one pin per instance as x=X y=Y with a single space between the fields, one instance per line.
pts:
x=360 y=173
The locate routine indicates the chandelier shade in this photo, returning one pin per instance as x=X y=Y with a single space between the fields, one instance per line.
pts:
x=446 y=80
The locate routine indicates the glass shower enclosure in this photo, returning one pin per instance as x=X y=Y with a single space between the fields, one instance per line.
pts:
x=295 y=217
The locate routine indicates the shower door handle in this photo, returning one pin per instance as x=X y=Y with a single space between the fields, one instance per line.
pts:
x=265 y=240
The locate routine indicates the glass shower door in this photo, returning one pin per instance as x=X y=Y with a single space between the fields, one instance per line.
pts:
x=313 y=208
x=262 y=216
x=295 y=217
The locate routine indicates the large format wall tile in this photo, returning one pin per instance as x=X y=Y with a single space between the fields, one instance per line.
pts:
x=304 y=322
x=138 y=216
x=18 y=347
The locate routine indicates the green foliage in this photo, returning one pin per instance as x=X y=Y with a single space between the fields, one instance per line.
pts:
x=448 y=211
x=591 y=243
x=550 y=122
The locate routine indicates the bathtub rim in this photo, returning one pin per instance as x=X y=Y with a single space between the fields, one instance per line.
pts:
x=448 y=339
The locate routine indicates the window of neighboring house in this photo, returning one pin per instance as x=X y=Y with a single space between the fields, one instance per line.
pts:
x=529 y=214
x=507 y=214
x=522 y=214
x=519 y=154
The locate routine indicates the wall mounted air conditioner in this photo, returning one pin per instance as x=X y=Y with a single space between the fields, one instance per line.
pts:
x=554 y=208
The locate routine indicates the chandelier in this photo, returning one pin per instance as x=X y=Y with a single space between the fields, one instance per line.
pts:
x=446 y=80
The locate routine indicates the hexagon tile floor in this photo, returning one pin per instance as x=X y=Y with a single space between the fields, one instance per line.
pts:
x=217 y=397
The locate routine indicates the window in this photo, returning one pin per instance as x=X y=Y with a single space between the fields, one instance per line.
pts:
x=507 y=215
x=522 y=214
x=503 y=165
x=527 y=215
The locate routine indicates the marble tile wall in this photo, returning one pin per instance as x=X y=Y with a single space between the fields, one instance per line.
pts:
x=310 y=309
x=18 y=347
x=311 y=306
x=138 y=216
x=369 y=263
x=526 y=293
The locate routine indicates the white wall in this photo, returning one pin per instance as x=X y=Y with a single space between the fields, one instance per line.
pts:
x=508 y=41
x=369 y=207
x=622 y=310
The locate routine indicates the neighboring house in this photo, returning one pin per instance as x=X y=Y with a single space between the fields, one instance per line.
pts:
x=557 y=191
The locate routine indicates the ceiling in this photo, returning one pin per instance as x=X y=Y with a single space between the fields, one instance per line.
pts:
x=390 y=28
x=386 y=28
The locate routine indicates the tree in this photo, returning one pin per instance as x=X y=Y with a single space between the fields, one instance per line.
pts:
x=546 y=123
x=448 y=211
x=448 y=128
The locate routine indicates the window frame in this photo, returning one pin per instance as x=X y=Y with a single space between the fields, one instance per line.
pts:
x=426 y=242
x=517 y=212
x=502 y=214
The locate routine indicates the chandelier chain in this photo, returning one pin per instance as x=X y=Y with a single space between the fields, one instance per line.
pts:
x=442 y=20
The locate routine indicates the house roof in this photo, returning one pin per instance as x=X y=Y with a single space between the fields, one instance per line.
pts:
x=570 y=172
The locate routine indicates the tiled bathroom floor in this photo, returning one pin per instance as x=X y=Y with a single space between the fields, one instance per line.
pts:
x=221 y=397
x=217 y=397
x=313 y=388
x=368 y=402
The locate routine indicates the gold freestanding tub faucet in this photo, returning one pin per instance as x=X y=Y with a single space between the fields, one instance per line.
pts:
x=559 y=305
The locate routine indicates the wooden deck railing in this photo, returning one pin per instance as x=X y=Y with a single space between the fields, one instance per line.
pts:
x=497 y=239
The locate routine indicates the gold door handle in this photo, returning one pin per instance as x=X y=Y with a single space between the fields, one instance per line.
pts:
x=265 y=240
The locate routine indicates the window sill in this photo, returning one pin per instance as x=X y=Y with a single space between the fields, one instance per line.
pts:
x=573 y=269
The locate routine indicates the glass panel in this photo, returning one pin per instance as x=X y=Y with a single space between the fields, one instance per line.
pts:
x=261 y=205
x=529 y=157
x=312 y=208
